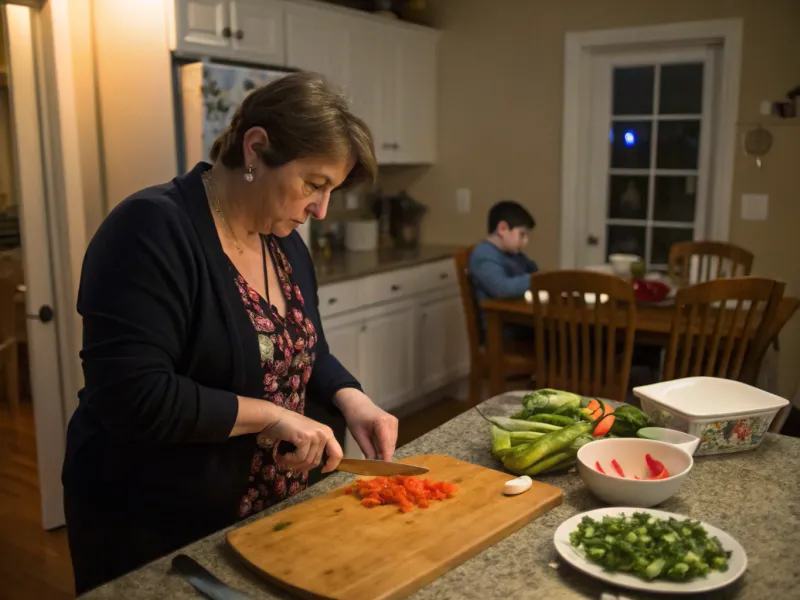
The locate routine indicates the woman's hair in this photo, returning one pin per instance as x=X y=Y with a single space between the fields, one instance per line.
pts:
x=303 y=117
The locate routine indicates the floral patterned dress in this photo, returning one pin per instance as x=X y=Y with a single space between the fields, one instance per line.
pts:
x=287 y=357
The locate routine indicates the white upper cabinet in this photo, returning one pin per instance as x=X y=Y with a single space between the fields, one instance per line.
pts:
x=258 y=32
x=387 y=69
x=246 y=30
x=317 y=40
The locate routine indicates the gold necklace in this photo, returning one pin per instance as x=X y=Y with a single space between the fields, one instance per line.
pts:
x=215 y=206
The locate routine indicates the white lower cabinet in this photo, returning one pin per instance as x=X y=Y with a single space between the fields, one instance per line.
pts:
x=444 y=350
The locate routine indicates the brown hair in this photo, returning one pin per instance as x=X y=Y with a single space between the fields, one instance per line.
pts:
x=303 y=117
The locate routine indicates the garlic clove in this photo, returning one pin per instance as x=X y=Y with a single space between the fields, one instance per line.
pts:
x=517 y=486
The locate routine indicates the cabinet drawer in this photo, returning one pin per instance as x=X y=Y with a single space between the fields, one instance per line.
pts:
x=392 y=285
x=339 y=297
x=439 y=274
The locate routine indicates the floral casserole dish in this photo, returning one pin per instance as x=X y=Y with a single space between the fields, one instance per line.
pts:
x=727 y=416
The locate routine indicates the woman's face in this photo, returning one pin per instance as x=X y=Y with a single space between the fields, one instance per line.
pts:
x=283 y=198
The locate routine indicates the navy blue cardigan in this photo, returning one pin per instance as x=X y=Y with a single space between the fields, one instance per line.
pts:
x=167 y=347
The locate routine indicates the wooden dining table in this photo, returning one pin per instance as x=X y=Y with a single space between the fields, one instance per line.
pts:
x=653 y=325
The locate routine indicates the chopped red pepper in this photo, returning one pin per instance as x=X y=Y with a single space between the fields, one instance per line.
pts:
x=617 y=468
x=657 y=469
x=598 y=467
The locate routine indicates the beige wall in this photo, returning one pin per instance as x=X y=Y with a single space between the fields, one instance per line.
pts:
x=500 y=106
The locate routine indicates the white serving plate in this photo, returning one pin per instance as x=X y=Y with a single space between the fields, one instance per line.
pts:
x=715 y=580
x=727 y=416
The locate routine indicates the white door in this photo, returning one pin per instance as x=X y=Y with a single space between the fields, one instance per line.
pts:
x=649 y=146
x=317 y=40
x=415 y=89
x=203 y=25
x=45 y=367
x=387 y=358
x=257 y=28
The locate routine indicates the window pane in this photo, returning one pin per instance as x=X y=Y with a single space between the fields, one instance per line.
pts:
x=625 y=239
x=627 y=197
x=675 y=198
x=663 y=238
x=630 y=145
x=678 y=143
x=633 y=91
x=681 y=89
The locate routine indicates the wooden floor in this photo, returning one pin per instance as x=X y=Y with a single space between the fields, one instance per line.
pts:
x=35 y=564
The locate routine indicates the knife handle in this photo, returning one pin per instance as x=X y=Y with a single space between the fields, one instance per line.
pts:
x=203 y=580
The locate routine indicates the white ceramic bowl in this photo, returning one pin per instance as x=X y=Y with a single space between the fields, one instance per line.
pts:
x=726 y=415
x=677 y=438
x=621 y=263
x=630 y=454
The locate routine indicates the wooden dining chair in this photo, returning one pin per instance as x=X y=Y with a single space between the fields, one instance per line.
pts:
x=722 y=328
x=9 y=357
x=584 y=327
x=518 y=358
x=698 y=262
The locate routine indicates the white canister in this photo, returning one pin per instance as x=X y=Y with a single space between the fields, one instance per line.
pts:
x=361 y=236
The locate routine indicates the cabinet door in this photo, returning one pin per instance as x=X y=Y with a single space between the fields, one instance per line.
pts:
x=415 y=90
x=387 y=357
x=343 y=339
x=318 y=41
x=203 y=26
x=257 y=27
x=444 y=350
x=371 y=85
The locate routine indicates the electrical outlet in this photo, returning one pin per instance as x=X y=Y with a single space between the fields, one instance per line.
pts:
x=755 y=207
x=463 y=200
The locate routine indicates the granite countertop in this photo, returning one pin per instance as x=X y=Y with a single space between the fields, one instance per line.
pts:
x=350 y=265
x=752 y=495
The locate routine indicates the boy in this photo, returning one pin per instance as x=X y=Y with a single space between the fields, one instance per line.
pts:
x=497 y=265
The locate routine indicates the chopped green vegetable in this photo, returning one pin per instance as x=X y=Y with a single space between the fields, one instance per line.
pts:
x=650 y=548
x=281 y=526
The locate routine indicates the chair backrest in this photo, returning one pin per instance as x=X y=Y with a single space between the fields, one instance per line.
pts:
x=698 y=262
x=722 y=328
x=580 y=318
x=468 y=300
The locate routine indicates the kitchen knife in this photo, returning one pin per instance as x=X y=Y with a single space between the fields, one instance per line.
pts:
x=365 y=466
x=204 y=581
x=383 y=468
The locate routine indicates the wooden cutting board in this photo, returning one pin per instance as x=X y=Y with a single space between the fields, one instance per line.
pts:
x=332 y=547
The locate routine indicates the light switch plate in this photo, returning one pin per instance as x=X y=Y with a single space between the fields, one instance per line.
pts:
x=463 y=200
x=755 y=207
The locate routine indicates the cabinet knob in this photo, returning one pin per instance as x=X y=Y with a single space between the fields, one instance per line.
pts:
x=332 y=300
x=395 y=288
x=239 y=34
x=226 y=32
x=395 y=146
x=443 y=276
x=387 y=146
x=363 y=328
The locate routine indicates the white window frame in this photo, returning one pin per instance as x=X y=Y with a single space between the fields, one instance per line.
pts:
x=580 y=47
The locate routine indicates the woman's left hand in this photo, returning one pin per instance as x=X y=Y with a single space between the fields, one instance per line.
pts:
x=373 y=428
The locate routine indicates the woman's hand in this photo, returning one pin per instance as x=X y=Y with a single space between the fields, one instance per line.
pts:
x=373 y=428
x=309 y=438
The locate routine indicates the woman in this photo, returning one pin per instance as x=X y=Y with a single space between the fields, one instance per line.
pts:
x=202 y=341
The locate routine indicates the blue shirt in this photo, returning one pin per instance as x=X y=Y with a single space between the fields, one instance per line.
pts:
x=498 y=274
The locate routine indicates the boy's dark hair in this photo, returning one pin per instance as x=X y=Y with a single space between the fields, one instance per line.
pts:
x=513 y=213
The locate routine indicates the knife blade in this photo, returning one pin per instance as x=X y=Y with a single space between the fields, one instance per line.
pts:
x=203 y=580
x=365 y=466
x=385 y=468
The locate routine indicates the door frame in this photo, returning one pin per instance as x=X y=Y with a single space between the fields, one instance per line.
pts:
x=579 y=47
x=57 y=175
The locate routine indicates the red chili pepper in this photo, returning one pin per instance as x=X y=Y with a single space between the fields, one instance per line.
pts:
x=598 y=467
x=656 y=467
x=617 y=468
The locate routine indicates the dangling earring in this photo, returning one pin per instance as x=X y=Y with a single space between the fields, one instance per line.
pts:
x=248 y=177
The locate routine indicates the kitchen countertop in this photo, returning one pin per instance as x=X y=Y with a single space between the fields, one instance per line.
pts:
x=752 y=495
x=347 y=265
